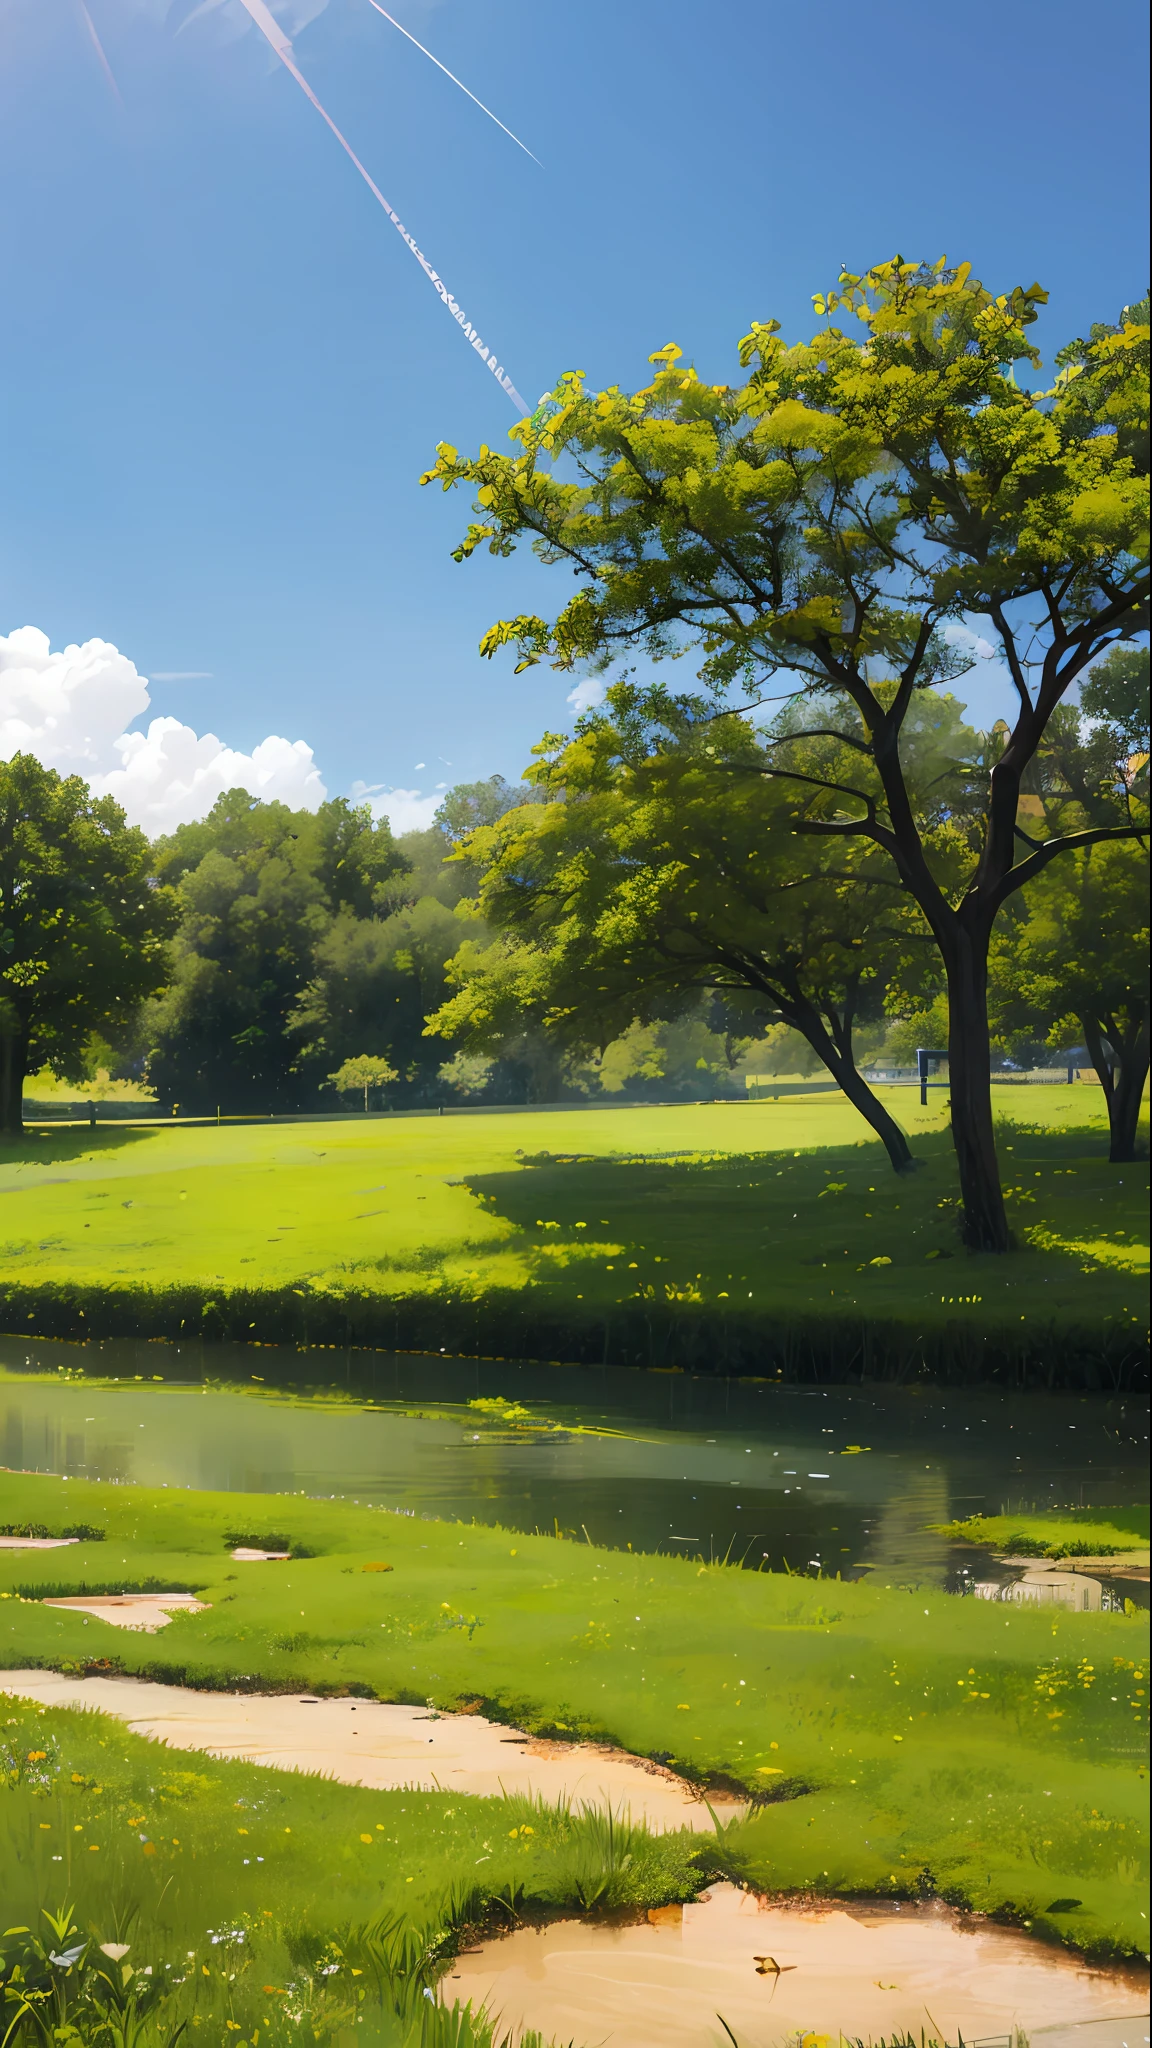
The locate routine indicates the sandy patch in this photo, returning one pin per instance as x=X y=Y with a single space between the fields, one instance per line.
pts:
x=246 y=1556
x=148 y=1611
x=872 y=1971
x=36 y=1542
x=362 y=1742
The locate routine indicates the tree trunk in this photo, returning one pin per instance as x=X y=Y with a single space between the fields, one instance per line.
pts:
x=1123 y=1083
x=859 y=1094
x=841 y=1064
x=13 y=1069
x=985 y=1227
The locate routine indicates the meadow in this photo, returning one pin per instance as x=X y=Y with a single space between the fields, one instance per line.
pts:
x=769 y=1235
x=895 y=1743
x=276 y=1904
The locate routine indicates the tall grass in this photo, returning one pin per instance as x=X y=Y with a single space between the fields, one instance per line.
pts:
x=61 y=1987
x=146 y=1901
x=972 y=1347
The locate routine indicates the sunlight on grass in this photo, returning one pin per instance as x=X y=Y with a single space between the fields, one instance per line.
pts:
x=778 y=1208
x=906 y=1738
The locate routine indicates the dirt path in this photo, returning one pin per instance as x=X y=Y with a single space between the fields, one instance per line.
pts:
x=143 y=1611
x=362 y=1742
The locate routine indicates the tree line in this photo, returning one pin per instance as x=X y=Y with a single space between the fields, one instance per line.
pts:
x=810 y=842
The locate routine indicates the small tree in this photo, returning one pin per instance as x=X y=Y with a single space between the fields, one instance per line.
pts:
x=364 y=1072
x=828 y=529
x=82 y=928
x=649 y=886
x=1070 y=955
x=1075 y=965
x=470 y=804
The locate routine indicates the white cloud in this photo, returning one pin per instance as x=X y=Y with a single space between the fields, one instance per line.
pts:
x=66 y=708
x=406 y=810
x=958 y=635
x=70 y=710
x=586 y=696
x=171 y=774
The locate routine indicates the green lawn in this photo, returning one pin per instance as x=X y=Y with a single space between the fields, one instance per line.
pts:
x=905 y=1739
x=254 y=1896
x=768 y=1211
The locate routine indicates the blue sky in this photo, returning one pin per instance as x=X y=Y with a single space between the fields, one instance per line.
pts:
x=223 y=373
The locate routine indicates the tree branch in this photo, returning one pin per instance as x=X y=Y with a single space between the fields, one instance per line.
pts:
x=1073 y=842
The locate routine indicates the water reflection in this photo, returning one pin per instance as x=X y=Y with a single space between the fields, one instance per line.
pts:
x=1048 y=1586
x=836 y=1480
x=846 y=1970
x=902 y=1549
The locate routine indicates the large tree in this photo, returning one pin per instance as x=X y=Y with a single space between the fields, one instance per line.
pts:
x=373 y=982
x=641 y=886
x=260 y=887
x=82 y=928
x=830 y=528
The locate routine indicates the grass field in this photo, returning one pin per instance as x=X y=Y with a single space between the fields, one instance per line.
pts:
x=770 y=1211
x=261 y=1900
x=906 y=1741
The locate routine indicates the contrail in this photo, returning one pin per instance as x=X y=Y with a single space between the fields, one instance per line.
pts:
x=99 y=48
x=455 y=80
x=270 y=28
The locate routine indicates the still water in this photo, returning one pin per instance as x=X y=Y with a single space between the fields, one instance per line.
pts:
x=836 y=1479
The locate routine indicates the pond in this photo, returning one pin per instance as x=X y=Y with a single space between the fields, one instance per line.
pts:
x=830 y=1479
x=760 y=1973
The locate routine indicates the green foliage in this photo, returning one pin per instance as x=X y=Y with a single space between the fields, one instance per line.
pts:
x=79 y=1530
x=471 y=804
x=259 y=886
x=1080 y=949
x=306 y=939
x=917 y=1027
x=363 y=1073
x=467 y=1074
x=896 y=1730
x=81 y=932
x=1072 y=962
x=373 y=982
x=831 y=526
x=679 y=1056
x=1116 y=693
x=338 y=848
x=664 y=867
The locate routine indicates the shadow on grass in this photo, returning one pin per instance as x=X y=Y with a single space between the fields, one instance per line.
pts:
x=48 y=1147
x=754 y=1219
x=814 y=1264
x=822 y=1228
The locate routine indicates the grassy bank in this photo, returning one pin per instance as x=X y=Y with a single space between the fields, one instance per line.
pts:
x=1078 y=1532
x=769 y=1237
x=901 y=1742
x=272 y=1904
